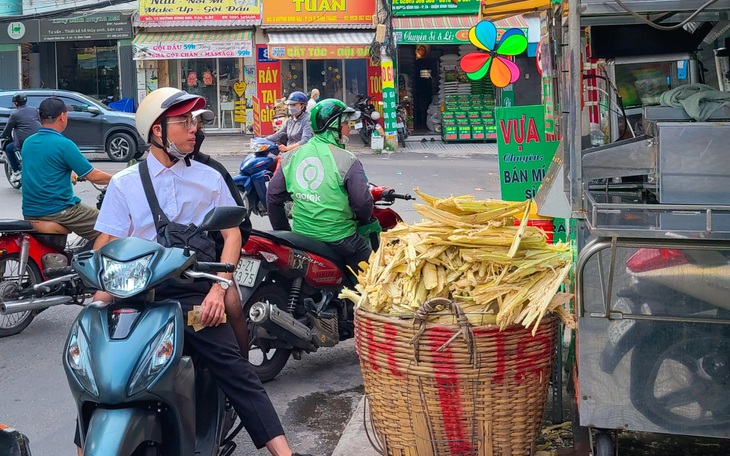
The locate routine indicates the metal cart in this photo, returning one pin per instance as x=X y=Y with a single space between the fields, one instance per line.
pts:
x=652 y=230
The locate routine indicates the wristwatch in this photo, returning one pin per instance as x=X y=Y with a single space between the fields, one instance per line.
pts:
x=224 y=285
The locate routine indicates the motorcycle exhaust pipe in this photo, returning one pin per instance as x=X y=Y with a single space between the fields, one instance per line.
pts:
x=281 y=324
x=24 y=305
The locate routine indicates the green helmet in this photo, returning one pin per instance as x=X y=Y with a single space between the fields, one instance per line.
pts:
x=329 y=114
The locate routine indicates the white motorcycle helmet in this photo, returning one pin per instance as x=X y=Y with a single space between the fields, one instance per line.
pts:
x=167 y=102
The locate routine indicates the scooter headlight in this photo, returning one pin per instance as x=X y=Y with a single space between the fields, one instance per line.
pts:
x=125 y=278
x=78 y=356
x=158 y=355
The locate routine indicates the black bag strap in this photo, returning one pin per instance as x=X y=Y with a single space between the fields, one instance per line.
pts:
x=158 y=215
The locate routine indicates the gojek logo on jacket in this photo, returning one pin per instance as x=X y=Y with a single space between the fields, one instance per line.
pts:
x=310 y=175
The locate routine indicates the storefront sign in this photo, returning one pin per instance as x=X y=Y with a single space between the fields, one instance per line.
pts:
x=317 y=12
x=256 y=116
x=375 y=87
x=525 y=154
x=268 y=88
x=389 y=99
x=434 y=7
x=192 y=50
x=75 y=28
x=92 y=27
x=319 y=51
x=435 y=36
x=187 y=10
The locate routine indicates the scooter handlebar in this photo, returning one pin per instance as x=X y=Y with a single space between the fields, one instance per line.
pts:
x=390 y=195
x=209 y=267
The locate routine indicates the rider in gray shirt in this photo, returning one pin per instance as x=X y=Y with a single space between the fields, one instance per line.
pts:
x=297 y=129
x=25 y=121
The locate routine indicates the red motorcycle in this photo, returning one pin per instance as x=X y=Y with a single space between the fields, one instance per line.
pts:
x=40 y=251
x=290 y=285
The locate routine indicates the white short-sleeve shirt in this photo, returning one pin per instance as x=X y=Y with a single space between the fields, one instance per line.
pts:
x=185 y=194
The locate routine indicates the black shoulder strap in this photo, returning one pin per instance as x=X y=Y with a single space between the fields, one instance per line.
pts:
x=158 y=215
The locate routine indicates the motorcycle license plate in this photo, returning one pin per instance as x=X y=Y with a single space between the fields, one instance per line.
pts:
x=358 y=125
x=246 y=271
x=618 y=328
x=399 y=125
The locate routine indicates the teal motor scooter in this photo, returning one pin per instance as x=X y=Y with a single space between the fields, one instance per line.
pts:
x=135 y=391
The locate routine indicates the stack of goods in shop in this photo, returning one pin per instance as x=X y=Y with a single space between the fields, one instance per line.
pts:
x=469 y=118
x=456 y=319
x=405 y=97
x=448 y=76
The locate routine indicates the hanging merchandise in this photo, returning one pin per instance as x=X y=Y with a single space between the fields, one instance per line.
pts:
x=502 y=71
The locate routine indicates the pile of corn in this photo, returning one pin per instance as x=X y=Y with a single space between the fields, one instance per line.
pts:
x=471 y=252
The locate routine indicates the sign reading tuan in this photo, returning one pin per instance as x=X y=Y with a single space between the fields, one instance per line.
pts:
x=288 y=12
x=438 y=7
x=199 y=10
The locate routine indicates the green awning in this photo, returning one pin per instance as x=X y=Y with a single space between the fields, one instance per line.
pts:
x=445 y=29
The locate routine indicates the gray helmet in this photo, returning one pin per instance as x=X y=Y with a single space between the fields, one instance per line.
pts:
x=20 y=98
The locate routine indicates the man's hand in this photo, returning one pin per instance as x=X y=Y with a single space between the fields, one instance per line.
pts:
x=214 y=308
x=102 y=296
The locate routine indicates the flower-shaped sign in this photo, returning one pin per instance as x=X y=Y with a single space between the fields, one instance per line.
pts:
x=502 y=71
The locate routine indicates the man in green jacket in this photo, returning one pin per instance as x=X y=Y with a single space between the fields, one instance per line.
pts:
x=328 y=185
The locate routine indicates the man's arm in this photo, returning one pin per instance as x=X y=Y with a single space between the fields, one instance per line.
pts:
x=213 y=305
x=358 y=192
x=97 y=176
x=8 y=130
x=276 y=196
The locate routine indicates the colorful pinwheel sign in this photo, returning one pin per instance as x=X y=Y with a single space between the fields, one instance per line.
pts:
x=502 y=71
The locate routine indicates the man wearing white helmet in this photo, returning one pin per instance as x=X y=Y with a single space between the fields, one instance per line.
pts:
x=186 y=190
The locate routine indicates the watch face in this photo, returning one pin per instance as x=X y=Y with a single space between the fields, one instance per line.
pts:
x=224 y=285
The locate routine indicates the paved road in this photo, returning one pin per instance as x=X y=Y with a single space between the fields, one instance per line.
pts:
x=314 y=396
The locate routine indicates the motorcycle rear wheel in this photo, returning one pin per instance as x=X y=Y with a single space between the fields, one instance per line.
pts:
x=266 y=364
x=13 y=324
x=402 y=139
x=365 y=135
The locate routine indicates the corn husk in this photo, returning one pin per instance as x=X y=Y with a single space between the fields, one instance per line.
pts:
x=469 y=251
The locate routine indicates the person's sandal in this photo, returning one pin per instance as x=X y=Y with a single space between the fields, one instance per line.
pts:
x=301 y=454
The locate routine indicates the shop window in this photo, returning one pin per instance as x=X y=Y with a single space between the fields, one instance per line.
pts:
x=293 y=76
x=356 y=72
x=325 y=75
x=219 y=82
x=91 y=68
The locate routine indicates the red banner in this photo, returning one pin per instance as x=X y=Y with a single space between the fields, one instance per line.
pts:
x=256 y=107
x=268 y=87
x=375 y=88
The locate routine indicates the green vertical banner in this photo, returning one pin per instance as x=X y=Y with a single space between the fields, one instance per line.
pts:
x=525 y=154
x=389 y=103
x=508 y=96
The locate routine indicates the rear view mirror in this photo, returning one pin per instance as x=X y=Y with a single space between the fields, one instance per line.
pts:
x=12 y=442
x=93 y=110
x=222 y=218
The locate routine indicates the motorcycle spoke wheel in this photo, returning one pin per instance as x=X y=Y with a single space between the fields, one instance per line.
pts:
x=673 y=390
x=10 y=282
x=267 y=362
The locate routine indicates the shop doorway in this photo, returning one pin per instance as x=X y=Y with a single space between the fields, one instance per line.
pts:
x=425 y=81
x=215 y=80
x=89 y=67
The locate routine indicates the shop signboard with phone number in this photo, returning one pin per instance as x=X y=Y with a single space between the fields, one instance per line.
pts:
x=389 y=101
x=434 y=7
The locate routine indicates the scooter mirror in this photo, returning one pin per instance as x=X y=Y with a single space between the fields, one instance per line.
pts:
x=222 y=218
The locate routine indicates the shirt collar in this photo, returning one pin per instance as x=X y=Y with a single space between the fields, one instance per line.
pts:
x=155 y=167
x=49 y=130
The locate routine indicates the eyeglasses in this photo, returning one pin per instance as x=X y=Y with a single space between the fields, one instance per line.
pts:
x=188 y=122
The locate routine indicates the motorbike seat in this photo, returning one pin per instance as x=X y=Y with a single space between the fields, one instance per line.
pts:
x=16 y=226
x=299 y=241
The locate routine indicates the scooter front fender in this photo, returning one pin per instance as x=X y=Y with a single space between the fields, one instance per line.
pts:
x=118 y=432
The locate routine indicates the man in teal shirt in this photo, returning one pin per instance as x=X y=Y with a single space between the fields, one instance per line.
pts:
x=49 y=158
x=328 y=186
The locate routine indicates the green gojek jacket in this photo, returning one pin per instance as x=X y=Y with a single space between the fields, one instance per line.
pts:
x=329 y=189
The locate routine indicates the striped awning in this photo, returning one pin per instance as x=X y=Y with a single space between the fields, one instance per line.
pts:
x=445 y=29
x=501 y=9
x=320 y=45
x=193 y=44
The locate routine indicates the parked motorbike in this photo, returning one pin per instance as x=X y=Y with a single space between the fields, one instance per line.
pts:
x=680 y=371
x=255 y=173
x=400 y=117
x=368 y=118
x=8 y=170
x=135 y=391
x=12 y=442
x=40 y=251
x=290 y=291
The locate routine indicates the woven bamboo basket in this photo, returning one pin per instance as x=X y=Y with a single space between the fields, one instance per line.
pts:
x=458 y=390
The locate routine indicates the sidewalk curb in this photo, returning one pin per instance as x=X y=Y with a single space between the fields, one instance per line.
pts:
x=354 y=440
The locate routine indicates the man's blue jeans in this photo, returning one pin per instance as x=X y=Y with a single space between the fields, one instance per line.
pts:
x=11 y=157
